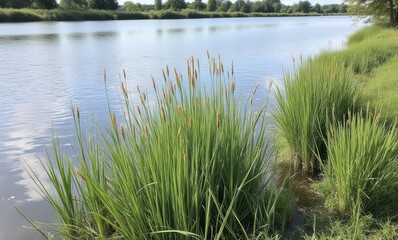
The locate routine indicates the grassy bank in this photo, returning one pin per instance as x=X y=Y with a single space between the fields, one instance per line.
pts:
x=344 y=134
x=30 y=15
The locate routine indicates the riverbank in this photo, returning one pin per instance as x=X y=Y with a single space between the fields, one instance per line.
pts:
x=351 y=193
x=34 y=15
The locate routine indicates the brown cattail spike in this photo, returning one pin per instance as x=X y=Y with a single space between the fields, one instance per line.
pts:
x=77 y=113
x=113 y=119
x=122 y=132
x=153 y=83
x=232 y=86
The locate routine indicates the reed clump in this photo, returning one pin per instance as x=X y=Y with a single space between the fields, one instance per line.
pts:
x=362 y=167
x=197 y=165
x=305 y=106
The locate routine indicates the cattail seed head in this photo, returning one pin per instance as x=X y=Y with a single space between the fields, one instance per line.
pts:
x=232 y=86
x=163 y=114
x=270 y=84
x=255 y=89
x=164 y=76
x=113 y=119
x=124 y=91
x=153 y=83
x=122 y=132
x=80 y=174
x=77 y=113
x=133 y=130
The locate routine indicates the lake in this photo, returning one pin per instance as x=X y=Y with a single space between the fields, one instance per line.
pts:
x=46 y=65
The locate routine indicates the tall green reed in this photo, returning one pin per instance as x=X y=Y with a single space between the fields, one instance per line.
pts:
x=362 y=168
x=305 y=105
x=197 y=165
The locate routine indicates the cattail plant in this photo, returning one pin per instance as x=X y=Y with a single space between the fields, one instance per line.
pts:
x=197 y=165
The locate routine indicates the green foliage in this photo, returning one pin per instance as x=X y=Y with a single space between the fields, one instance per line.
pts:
x=73 y=4
x=380 y=9
x=131 y=15
x=129 y=6
x=224 y=6
x=158 y=4
x=103 y=4
x=175 y=5
x=317 y=8
x=195 y=165
x=23 y=15
x=382 y=87
x=362 y=166
x=305 y=107
x=304 y=6
x=189 y=13
x=212 y=5
x=16 y=3
x=44 y=4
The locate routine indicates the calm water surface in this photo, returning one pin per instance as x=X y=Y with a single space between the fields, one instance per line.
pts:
x=44 y=66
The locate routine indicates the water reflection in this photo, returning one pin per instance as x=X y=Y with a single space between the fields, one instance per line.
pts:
x=176 y=30
x=38 y=37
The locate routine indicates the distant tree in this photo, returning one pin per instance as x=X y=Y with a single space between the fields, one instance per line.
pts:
x=132 y=7
x=103 y=4
x=176 y=4
x=277 y=7
x=258 y=6
x=296 y=8
x=111 y=5
x=73 y=4
x=237 y=6
x=16 y=3
x=304 y=6
x=376 y=8
x=224 y=6
x=158 y=5
x=284 y=9
x=317 y=8
x=198 y=5
x=343 y=8
x=330 y=8
x=275 y=1
x=211 y=5
x=44 y=4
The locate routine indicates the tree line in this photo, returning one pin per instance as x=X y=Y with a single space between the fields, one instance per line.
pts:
x=381 y=9
x=64 y=4
x=262 y=6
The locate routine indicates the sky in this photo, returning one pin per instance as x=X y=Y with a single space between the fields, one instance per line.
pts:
x=287 y=2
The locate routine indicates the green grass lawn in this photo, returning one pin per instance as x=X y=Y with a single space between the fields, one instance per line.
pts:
x=382 y=88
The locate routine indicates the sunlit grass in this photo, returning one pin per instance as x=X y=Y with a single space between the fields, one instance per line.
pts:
x=305 y=106
x=198 y=165
x=362 y=167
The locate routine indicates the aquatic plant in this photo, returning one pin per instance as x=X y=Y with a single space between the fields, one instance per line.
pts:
x=195 y=165
x=362 y=167
x=305 y=106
